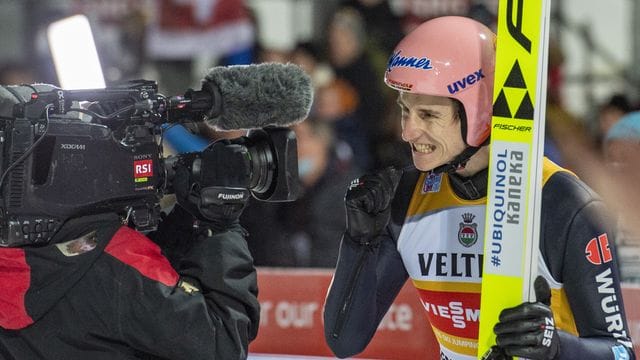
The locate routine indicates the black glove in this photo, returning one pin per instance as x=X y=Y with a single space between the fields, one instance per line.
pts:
x=496 y=353
x=213 y=185
x=368 y=201
x=528 y=330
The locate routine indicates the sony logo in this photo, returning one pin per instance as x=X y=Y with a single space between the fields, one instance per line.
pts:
x=73 y=146
x=141 y=156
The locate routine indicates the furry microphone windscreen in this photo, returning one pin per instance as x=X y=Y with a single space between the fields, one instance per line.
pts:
x=260 y=95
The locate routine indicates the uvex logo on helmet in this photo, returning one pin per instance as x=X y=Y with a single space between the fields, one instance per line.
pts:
x=468 y=80
x=396 y=60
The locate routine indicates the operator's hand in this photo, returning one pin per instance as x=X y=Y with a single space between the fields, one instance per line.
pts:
x=368 y=201
x=214 y=185
x=528 y=330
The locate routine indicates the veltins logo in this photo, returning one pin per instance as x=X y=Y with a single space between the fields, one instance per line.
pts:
x=468 y=233
x=597 y=250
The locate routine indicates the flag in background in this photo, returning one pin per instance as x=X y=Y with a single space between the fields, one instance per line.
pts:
x=182 y=29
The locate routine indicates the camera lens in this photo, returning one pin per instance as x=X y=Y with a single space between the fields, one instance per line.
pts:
x=263 y=164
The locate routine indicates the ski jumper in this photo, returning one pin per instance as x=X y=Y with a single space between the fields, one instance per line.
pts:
x=435 y=239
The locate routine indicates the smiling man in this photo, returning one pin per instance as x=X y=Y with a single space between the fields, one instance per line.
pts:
x=425 y=224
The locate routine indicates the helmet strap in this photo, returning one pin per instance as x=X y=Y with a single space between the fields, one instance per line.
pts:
x=459 y=162
x=472 y=187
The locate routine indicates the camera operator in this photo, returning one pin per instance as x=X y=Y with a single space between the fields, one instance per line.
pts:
x=101 y=290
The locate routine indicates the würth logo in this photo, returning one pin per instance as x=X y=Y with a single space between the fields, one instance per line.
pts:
x=598 y=251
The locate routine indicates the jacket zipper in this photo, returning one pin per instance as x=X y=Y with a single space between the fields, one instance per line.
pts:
x=342 y=315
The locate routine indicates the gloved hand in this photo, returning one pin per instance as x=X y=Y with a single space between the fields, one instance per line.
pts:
x=213 y=185
x=367 y=203
x=528 y=330
x=496 y=353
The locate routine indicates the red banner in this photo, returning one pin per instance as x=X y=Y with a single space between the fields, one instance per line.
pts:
x=291 y=318
x=631 y=298
x=183 y=29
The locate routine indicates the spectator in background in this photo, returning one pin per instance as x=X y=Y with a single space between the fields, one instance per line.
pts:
x=610 y=112
x=622 y=154
x=305 y=232
x=307 y=56
x=622 y=141
x=555 y=109
x=272 y=55
x=611 y=171
x=481 y=13
x=336 y=103
x=384 y=30
x=347 y=39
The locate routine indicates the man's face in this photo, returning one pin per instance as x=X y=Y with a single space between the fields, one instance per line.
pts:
x=430 y=124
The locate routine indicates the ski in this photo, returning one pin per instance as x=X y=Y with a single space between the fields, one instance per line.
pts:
x=515 y=167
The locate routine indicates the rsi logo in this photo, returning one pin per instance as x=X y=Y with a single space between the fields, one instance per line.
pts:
x=143 y=168
x=597 y=250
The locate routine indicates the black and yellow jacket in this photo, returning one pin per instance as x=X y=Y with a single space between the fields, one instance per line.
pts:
x=435 y=239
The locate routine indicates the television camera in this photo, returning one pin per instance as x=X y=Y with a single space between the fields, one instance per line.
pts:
x=67 y=153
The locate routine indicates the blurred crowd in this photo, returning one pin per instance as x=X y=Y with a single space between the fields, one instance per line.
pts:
x=605 y=156
x=354 y=123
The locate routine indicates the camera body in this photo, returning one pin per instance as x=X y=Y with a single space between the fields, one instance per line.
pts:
x=56 y=166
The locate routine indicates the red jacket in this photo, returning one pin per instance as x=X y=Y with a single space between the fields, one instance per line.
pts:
x=101 y=290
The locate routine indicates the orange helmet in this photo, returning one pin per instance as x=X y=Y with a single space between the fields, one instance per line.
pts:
x=450 y=56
